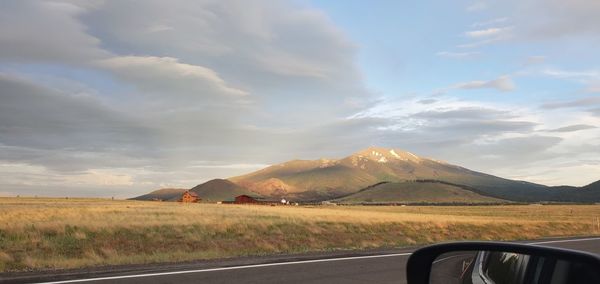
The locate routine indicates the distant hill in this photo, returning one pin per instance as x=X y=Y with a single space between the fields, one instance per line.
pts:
x=162 y=194
x=592 y=186
x=416 y=192
x=332 y=178
x=219 y=190
x=588 y=193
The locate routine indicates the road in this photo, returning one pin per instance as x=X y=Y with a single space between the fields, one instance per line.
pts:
x=382 y=268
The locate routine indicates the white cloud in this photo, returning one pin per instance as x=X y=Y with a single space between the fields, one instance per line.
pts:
x=487 y=32
x=487 y=36
x=449 y=54
x=502 y=83
x=568 y=74
x=590 y=79
x=477 y=6
x=502 y=139
x=490 y=22
x=169 y=76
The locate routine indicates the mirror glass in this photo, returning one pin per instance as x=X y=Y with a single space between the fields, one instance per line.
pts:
x=497 y=267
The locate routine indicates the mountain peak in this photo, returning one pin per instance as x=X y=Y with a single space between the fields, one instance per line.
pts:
x=384 y=155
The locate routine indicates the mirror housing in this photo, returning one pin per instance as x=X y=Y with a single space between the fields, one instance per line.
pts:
x=419 y=266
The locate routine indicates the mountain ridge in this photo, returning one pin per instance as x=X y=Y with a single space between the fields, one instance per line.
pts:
x=329 y=179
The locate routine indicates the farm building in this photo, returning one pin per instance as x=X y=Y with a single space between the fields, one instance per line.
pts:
x=189 y=197
x=248 y=199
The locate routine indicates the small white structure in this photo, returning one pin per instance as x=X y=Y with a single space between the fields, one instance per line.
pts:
x=283 y=201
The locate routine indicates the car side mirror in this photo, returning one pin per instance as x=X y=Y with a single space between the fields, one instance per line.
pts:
x=500 y=263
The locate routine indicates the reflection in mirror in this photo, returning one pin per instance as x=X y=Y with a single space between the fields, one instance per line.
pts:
x=496 y=267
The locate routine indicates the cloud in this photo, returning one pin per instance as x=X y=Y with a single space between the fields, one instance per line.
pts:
x=445 y=119
x=427 y=101
x=502 y=83
x=490 y=22
x=35 y=116
x=568 y=74
x=477 y=6
x=504 y=140
x=45 y=31
x=584 y=102
x=449 y=54
x=589 y=78
x=487 y=32
x=536 y=59
x=487 y=36
x=179 y=93
x=66 y=132
x=280 y=52
x=268 y=38
x=511 y=151
x=466 y=112
x=593 y=87
x=166 y=76
x=170 y=86
x=544 y=20
x=572 y=128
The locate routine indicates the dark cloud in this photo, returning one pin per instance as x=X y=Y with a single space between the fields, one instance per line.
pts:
x=46 y=126
x=38 y=117
x=543 y=19
x=45 y=31
x=285 y=55
x=502 y=83
x=572 y=128
x=585 y=102
x=465 y=113
x=427 y=101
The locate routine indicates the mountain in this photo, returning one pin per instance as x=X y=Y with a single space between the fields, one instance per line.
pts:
x=219 y=190
x=162 y=194
x=416 y=192
x=332 y=178
x=406 y=177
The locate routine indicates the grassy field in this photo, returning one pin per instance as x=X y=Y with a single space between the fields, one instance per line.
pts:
x=38 y=234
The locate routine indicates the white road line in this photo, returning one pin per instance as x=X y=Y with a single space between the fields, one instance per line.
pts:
x=227 y=268
x=276 y=264
x=564 y=241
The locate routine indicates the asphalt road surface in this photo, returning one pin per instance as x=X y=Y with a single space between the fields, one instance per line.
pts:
x=381 y=268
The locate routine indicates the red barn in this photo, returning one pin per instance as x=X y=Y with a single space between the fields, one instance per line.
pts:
x=189 y=197
x=249 y=199
x=246 y=199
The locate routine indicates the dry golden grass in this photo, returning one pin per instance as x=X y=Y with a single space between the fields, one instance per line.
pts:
x=37 y=233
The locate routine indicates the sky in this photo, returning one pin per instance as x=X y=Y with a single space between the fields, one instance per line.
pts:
x=117 y=98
